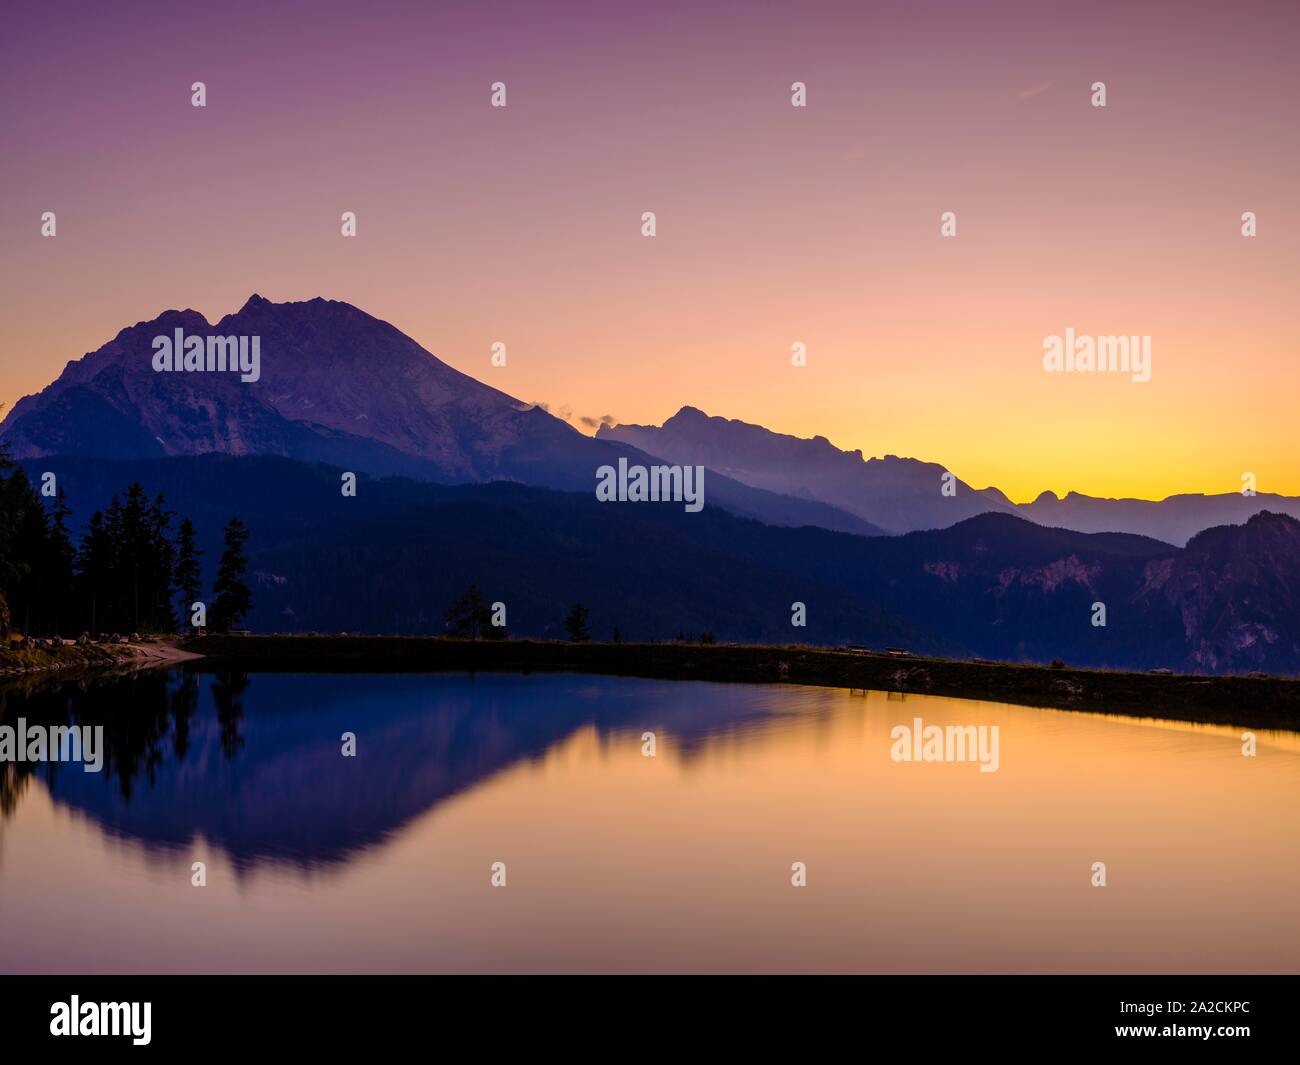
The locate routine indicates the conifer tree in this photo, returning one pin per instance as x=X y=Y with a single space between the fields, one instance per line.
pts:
x=188 y=573
x=233 y=598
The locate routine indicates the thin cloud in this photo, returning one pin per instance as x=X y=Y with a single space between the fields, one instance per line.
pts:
x=1035 y=90
x=565 y=413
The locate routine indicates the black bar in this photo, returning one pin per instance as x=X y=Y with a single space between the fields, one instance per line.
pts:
x=978 y=1015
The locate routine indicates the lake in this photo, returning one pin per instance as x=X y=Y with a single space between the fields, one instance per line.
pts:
x=615 y=861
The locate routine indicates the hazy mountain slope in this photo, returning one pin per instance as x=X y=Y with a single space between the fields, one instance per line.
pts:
x=899 y=495
x=1175 y=519
x=902 y=495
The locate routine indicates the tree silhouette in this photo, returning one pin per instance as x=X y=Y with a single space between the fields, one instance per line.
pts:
x=27 y=526
x=576 y=624
x=188 y=573
x=233 y=598
x=228 y=689
x=160 y=569
x=93 y=570
x=60 y=557
x=10 y=568
x=184 y=705
x=120 y=577
x=469 y=617
x=132 y=543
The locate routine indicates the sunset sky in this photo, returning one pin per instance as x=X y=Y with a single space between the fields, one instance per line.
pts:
x=776 y=224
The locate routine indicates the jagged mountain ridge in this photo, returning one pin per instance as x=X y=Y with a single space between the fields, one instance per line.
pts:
x=339 y=386
x=342 y=387
x=903 y=494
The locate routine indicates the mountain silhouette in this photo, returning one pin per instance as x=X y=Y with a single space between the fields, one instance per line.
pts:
x=342 y=387
x=1236 y=589
x=900 y=495
x=336 y=385
x=996 y=585
x=460 y=483
x=1174 y=519
x=903 y=495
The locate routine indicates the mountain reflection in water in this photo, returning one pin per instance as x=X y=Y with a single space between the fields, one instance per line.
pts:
x=254 y=765
x=619 y=862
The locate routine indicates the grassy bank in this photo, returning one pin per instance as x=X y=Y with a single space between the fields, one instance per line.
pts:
x=69 y=656
x=1247 y=701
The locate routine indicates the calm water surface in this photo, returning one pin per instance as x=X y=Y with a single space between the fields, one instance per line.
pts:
x=619 y=862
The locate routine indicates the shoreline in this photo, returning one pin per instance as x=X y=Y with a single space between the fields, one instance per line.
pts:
x=35 y=661
x=1260 y=702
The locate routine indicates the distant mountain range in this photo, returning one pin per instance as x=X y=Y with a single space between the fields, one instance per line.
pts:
x=873 y=547
x=903 y=495
x=341 y=387
x=995 y=585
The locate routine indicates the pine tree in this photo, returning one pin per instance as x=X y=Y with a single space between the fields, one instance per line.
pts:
x=576 y=624
x=233 y=598
x=59 y=559
x=29 y=537
x=8 y=565
x=93 y=576
x=115 y=599
x=160 y=565
x=135 y=551
x=469 y=616
x=188 y=574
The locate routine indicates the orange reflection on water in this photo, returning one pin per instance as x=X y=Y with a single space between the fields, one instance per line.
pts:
x=682 y=862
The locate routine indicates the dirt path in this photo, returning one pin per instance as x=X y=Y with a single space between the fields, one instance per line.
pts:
x=162 y=653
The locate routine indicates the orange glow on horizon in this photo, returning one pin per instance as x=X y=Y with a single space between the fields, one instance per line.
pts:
x=776 y=224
